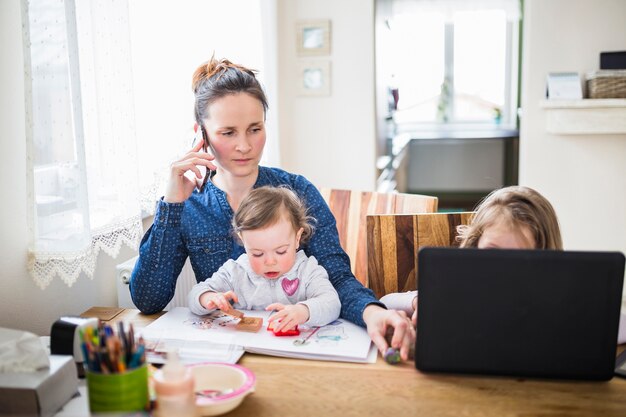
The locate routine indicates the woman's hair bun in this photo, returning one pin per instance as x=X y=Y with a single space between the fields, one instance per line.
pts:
x=214 y=68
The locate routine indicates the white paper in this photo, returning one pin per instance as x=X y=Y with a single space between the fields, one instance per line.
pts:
x=564 y=86
x=191 y=351
x=340 y=340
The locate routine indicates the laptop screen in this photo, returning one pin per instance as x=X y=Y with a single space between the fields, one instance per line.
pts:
x=531 y=313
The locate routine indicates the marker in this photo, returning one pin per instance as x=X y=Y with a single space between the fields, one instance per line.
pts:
x=135 y=361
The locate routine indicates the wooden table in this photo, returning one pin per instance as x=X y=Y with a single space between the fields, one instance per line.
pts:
x=293 y=387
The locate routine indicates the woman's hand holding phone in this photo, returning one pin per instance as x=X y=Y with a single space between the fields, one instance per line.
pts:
x=188 y=172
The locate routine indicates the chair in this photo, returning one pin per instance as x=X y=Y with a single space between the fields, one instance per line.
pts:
x=394 y=240
x=350 y=209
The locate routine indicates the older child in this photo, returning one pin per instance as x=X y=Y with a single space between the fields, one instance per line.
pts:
x=514 y=217
x=271 y=222
x=509 y=218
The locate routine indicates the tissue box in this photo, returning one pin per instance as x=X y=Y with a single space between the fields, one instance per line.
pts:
x=42 y=392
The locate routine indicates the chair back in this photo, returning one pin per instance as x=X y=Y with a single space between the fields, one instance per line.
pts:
x=350 y=209
x=394 y=240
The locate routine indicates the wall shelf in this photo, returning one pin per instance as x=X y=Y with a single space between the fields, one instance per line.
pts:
x=585 y=117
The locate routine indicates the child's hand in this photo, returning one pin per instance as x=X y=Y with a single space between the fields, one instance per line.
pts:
x=414 y=315
x=211 y=300
x=288 y=316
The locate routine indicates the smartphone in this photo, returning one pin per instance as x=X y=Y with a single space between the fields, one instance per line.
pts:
x=200 y=134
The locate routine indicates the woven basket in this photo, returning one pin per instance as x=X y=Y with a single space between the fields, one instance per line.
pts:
x=606 y=84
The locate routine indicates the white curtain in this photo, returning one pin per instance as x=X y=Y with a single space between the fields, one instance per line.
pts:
x=80 y=135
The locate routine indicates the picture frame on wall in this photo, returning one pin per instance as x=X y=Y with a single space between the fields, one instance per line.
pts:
x=314 y=78
x=313 y=37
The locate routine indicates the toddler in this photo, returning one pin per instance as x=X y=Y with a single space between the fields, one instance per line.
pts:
x=272 y=274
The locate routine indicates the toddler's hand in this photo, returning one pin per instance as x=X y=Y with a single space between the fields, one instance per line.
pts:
x=211 y=300
x=288 y=316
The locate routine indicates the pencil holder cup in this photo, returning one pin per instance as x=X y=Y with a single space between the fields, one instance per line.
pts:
x=127 y=391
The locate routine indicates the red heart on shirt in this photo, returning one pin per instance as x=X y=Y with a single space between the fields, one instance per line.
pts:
x=290 y=286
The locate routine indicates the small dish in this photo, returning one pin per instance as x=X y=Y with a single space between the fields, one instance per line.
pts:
x=221 y=387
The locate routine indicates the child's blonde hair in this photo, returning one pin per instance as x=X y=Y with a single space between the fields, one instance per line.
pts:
x=515 y=206
x=265 y=206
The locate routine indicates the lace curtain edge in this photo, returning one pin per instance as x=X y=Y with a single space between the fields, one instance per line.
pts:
x=44 y=266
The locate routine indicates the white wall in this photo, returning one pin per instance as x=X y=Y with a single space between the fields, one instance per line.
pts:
x=584 y=176
x=22 y=304
x=330 y=140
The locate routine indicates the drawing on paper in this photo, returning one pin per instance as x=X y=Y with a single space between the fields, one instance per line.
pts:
x=331 y=334
x=212 y=320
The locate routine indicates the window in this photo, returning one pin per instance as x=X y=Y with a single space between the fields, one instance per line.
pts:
x=453 y=64
x=109 y=103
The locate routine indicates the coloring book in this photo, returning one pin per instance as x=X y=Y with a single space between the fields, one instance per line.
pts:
x=340 y=340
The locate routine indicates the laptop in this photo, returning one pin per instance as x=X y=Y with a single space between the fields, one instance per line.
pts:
x=525 y=313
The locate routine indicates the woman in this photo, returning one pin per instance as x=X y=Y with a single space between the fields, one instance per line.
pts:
x=230 y=108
